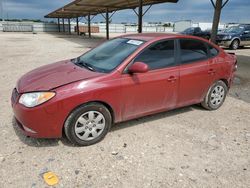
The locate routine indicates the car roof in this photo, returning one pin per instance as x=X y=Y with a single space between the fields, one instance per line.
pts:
x=150 y=36
x=158 y=36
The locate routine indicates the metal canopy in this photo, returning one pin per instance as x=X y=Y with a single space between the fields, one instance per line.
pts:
x=83 y=8
x=80 y=8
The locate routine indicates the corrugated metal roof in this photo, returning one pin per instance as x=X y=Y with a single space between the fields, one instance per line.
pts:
x=80 y=8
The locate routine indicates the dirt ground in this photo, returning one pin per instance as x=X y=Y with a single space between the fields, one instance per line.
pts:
x=187 y=147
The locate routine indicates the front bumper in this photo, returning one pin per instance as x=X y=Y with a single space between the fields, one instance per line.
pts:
x=225 y=43
x=43 y=121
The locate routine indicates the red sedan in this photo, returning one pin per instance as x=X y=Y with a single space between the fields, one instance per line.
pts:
x=125 y=78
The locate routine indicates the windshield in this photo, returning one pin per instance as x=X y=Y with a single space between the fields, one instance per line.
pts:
x=234 y=30
x=189 y=30
x=109 y=55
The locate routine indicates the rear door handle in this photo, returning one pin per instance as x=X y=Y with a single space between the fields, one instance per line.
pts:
x=172 y=79
x=211 y=71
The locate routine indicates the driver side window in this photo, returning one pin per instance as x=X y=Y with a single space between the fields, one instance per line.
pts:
x=159 y=55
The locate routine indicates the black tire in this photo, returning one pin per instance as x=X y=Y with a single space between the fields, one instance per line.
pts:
x=69 y=125
x=235 y=44
x=208 y=100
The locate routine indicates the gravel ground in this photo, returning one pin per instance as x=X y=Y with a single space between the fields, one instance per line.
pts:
x=187 y=147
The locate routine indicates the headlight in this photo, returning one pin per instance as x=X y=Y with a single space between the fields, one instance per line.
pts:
x=36 y=98
x=227 y=37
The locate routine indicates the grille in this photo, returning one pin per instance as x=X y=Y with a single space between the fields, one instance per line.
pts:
x=220 y=37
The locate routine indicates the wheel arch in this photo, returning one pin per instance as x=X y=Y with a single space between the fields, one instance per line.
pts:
x=225 y=81
x=108 y=106
x=236 y=38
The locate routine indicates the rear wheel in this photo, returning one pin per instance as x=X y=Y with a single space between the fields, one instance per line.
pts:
x=215 y=96
x=235 y=44
x=88 y=124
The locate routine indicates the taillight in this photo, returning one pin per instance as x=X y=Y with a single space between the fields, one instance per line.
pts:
x=235 y=66
x=233 y=60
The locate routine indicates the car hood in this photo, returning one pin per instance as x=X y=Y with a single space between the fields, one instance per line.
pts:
x=52 y=76
x=185 y=33
x=220 y=36
x=227 y=34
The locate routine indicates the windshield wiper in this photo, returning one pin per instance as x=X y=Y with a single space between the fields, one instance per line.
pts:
x=86 y=65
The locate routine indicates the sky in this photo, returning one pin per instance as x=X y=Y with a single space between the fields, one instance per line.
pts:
x=195 y=10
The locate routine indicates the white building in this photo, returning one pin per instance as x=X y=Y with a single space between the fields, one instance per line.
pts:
x=184 y=24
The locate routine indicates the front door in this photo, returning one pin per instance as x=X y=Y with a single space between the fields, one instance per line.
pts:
x=156 y=90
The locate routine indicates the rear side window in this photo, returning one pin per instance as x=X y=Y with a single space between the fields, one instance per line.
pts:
x=192 y=50
x=213 y=51
x=159 y=55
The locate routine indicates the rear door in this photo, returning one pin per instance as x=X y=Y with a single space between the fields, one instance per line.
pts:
x=156 y=90
x=216 y=65
x=194 y=71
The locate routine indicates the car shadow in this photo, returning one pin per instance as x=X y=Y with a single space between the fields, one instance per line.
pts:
x=158 y=116
x=241 y=84
x=39 y=142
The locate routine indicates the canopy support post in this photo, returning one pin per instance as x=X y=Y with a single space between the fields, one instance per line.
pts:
x=107 y=24
x=63 y=25
x=58 y=23
x=69 y=25
x=216 y=20
x=140 y=15
x=218 y=6
x=77 y=26
x=89 y=25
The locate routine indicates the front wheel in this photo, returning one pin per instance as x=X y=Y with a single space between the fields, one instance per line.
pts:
x=215 y=96
x=235 y=44
x=88 y=124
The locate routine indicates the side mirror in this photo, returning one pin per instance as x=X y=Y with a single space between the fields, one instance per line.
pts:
x=138 y=67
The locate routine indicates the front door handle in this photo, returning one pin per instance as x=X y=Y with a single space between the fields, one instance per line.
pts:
x=172 y=79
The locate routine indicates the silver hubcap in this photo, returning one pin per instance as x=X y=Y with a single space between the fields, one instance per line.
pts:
x=217 y=95
x=89 y=125
x=235 y=44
